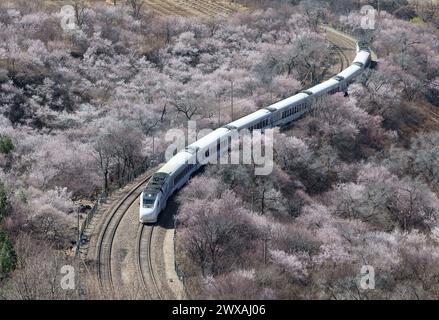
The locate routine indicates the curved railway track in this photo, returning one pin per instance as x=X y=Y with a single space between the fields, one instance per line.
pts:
x=107 y=235
x=344 y=61
x=344 y=48
x=144 y=263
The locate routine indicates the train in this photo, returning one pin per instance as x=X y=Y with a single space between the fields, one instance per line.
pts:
x=178 y=170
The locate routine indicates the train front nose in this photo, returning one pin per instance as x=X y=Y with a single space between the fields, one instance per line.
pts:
x=148 y=215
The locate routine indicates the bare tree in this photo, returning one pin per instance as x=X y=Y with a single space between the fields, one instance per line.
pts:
x=104 y=158
x=80 y=15
x=39 y=272
x=136 y=6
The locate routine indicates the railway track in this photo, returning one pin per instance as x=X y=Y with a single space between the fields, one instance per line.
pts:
x=107 y=235
x=132 y=260
x=144 y=263
x=344 y=48
x=339 y=48
x=344 y=61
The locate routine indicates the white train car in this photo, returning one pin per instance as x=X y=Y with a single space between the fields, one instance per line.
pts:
x=212 y=145
x=327 y=87
x=363 y=56
x=257 y=120
x=289 y=109
x=348 y=75
x=178 y=170
x=163 y=183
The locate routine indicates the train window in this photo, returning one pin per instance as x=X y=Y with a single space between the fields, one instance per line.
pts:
x=184 y=173
x=147 y=203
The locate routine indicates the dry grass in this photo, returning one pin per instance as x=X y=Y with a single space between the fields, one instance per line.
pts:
x=200 y=8
x=186 y=8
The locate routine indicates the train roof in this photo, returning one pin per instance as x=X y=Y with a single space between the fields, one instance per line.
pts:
x=317 y=89
x=349 y=71
x=176 y=162
x=245 y=121
x=288 y=102
x=155 y=184
x=209 y=138
x=362 y=56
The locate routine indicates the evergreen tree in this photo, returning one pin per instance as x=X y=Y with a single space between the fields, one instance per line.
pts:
x=6 y=145
x=3 y=202
x=8 y=257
